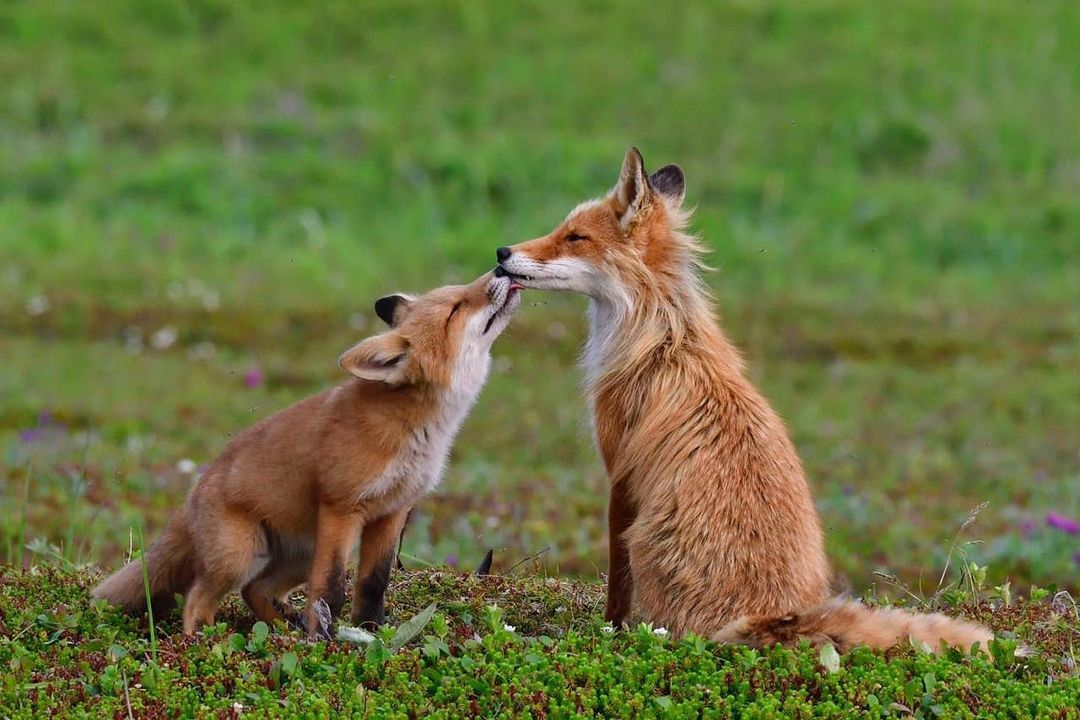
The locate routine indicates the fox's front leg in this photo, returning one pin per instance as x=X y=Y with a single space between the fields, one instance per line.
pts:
x=335 y=536
x=620 y=590
x=378 y=548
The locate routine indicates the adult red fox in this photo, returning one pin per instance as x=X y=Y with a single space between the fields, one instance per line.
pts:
x=712 y=526
x=285 y=501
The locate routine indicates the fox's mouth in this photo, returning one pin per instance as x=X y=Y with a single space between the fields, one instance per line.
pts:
x=506 y=307
x=501 y=271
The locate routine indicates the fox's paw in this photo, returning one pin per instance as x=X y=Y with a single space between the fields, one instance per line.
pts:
x=292 y=617
x=299 y=620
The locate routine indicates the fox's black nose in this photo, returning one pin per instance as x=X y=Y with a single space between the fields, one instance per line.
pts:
x=502 y=254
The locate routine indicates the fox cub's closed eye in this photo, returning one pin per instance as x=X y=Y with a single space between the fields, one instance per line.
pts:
x=453 y=311
x=574 y=237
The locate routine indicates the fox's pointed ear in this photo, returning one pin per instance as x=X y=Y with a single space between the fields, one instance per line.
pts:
x=392 y=309
x=670 y=182
x=632 y=193
x=382 y=357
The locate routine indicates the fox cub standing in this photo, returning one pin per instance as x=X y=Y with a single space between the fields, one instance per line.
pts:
x=285 y=501
x=712 y=526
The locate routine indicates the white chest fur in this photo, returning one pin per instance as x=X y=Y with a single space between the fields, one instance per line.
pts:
x=418 y=466
x=604 y=323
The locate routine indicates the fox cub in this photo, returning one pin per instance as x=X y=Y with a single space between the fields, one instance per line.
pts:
x=285 y=501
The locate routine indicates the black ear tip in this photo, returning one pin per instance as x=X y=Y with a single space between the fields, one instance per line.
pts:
x=385 y=306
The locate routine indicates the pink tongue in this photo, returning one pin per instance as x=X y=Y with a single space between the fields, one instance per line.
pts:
x=515 y=286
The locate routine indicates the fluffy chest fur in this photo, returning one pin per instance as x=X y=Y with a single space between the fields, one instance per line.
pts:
x=418 y=465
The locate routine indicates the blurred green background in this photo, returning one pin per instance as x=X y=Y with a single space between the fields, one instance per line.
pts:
x=199 y=202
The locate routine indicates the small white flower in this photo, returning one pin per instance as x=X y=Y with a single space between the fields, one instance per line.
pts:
x=37 y=305
x=186 y=466
x=135 y=444
x=607 y=628
x=202 y=351
x=238 y=708
x=163 y=338
x=509 y=628
x=211 y=301
x=660 y=631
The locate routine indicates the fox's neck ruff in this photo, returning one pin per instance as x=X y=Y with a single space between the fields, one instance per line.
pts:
x=664 y=309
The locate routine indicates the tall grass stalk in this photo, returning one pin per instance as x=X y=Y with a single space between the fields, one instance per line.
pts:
x=146 y=590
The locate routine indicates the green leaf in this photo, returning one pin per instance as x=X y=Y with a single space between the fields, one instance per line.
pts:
x=260 y=631
x=665 y=702
x=411 y=628
x=288 y=663
x=377 y=653
x=830 y=659
x=236 y=642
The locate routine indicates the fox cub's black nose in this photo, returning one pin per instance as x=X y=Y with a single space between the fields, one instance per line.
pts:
x=502 y=253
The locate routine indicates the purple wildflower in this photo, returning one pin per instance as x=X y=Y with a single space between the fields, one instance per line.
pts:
x=451 y=560
x=253 y=378
x=1063 y=523
x=31 y=435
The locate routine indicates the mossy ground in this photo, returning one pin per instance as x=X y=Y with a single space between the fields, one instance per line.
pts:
x=513 y=646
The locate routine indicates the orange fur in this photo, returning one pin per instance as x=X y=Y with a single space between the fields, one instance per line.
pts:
x=285 y=501
x=712 y=521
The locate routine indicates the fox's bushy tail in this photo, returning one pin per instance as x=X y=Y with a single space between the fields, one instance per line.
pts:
x=846 y=623
x=170 y=566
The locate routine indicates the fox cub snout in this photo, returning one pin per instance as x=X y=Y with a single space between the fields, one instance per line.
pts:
x=287 y=499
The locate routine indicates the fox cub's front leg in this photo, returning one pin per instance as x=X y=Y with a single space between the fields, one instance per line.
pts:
x=334 y=539
x=378 y=548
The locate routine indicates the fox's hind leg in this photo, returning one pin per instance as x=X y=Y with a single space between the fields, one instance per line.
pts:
x=378 y=548
x=267 y=594
x=230 y=549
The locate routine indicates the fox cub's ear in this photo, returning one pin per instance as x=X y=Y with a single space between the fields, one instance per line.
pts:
x=392 y=309
x=670 y=182
x=383 y=358
x=632 y=193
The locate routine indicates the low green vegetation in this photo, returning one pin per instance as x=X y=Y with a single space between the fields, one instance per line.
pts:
x=502 y=647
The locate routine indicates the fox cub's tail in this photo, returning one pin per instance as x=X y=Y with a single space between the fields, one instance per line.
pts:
x=847 y=623
x=169 y=567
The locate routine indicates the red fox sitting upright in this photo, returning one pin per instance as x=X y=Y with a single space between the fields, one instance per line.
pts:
x=712 y=526
x=285 y=501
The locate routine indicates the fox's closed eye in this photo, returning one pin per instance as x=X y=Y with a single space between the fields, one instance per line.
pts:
x=453 y=311
x=575 y=237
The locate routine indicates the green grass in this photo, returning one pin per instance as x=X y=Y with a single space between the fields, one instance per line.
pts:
x=499 y=647
x=190 y=192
